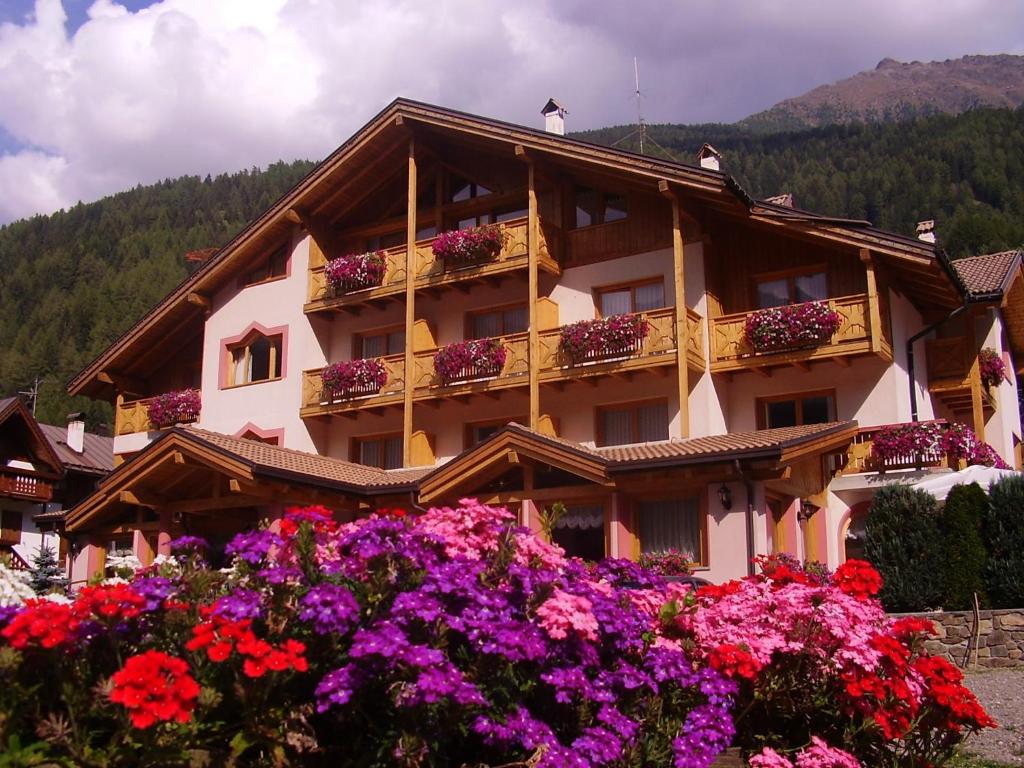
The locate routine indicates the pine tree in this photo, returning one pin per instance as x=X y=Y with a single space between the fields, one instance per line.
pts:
x=47 y=573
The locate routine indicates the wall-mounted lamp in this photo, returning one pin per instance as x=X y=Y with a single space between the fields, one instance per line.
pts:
x=807 y=510
x=725 y=497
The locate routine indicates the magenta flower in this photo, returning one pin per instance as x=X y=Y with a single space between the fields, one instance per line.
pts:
x=463 y=247
x=355 y=377
x=473 y=359
x=993 y=369
x=356 y=271
x=609 y=337
x=172 y=408
x=791 y=326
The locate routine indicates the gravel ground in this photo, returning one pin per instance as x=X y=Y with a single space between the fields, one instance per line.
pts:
x=1001 y=692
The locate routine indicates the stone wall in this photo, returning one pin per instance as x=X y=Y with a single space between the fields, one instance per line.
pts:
x=1000 y=638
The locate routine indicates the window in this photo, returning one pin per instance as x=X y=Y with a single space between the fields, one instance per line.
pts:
x=508 y=214
x=463 y=189
x=638 y=423
x=778 y=291
x=672 y=524
x=477 y=432
x=383 y=451
x=380 y=343
x=258 y=359
x=474 y=221
x=500 y=322
x=385 y=241
x=268 y=440
x=271 y=268
x=10 y=527
x=640 y=297
x=795 y=410
x=596 y=207
x=580 y=531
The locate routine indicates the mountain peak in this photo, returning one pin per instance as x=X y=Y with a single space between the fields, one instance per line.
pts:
x=888 y=63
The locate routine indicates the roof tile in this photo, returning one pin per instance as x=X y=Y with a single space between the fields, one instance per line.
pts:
x=986 y=273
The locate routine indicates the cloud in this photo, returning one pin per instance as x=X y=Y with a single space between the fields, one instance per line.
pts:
x=194 y=86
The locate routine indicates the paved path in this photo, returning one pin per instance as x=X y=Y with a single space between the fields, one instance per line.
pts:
x=1001 y=692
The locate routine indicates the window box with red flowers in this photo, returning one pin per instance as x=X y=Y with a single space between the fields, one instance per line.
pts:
x=992 y=367
x=170 y=408
x=468 y=247
x=354 y=378
x=467 y=360
x=356 y=271
x=614 y=336
x=791 y=327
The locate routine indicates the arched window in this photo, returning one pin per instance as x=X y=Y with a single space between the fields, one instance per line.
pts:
x=257 y=358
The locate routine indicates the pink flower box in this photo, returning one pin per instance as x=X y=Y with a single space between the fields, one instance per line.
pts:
x=473 y=359
x=170 y=408
x=791 y=327
x=614 y=336
x=466 y=247
x=354 y=378
x=356 y=271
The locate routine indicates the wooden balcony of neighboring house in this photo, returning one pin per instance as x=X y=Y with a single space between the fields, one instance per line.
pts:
x=434 y=275
x=132 y=416
x=953 y=378
x=860 y=458
x=25 y=485
x=655 y=351
x=864 y=329
x=10 y=557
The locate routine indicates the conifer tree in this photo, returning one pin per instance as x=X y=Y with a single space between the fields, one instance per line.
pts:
x=963 y=551
x=47 y=572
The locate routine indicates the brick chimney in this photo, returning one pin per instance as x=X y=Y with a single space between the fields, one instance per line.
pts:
x=554 y=117
x=926 y=231
x=76 y=433
x=710 y=158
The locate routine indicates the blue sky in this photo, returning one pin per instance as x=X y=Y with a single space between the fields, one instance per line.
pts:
x=99 y=95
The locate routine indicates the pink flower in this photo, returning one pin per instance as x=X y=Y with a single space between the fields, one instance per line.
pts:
x=769 y=758
x=821 y=755
x=564 y=613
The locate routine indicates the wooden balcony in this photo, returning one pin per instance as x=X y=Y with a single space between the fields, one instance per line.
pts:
x=860 y=458
x=434 y=274
x=731 y=352
x=658 y=349
x=132 y=416
x=949 y=376
x=23 y=484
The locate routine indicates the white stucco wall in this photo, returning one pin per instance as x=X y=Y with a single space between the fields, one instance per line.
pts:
x=1003 y=426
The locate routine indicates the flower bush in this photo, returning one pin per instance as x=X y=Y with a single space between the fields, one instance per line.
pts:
x=356 y=271
x=670 y=563
x=470 y=359
x=172 y=408
x=992 y=367
x=463 y=247
x=791 y=326
x=594 y=339
x=926 y=441
x=355 y=377
x=452 y=638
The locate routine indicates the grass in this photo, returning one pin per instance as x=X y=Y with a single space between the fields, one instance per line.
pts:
x=970 y=761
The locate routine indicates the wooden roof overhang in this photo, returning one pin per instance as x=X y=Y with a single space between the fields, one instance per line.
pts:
x=179 y=473
x=13 y=410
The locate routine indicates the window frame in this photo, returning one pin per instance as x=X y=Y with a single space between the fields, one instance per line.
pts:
x=469 y=426
x=631 y=285
x=285 y=251
x=789 y=275
x=605 y=503
x=601 y=212
x=760 y=404
x=703 y=513
x=6 y=531
x=632 y=406
x=501 y=309
x=385 y=331
x=356 y=441
x=246 y=339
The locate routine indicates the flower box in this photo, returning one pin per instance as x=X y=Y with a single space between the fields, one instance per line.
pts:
x=354 y=378
x=356 y=271
x=992 y=367
x=467 y=247
x=791 y=327
x=466 y=360
x=926 y=443
x=614 y=336
x=170 y=408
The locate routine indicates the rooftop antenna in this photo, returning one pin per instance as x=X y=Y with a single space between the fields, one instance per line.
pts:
x=32 y=393
x=641 y=125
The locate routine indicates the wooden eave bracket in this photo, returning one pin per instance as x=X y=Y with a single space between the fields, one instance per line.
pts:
x=199 y=300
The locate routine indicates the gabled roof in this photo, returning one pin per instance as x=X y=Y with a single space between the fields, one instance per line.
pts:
x=96 y=459
x=988 y=274
x=343 y=176
x=12 y=408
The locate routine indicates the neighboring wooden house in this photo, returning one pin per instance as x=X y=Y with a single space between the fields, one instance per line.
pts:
x=43 y=472
x=684 y=435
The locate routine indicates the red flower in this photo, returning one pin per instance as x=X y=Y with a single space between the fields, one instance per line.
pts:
x=906 y=628
x=41 y=623
x=733 y=661
x=858 y=579
x=155 y=687
x=114 y=602
x=218 y=636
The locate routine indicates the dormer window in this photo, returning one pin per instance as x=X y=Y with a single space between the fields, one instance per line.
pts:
x=463 y=189
x=272 y=267
x=778 y=290
x=256 y=359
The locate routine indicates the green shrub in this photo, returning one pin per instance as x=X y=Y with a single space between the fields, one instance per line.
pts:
x=902 y=542
x=963 y=550
x=1004 y=537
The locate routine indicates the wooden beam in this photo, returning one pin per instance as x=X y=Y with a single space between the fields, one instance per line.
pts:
x=682 y=326
x=213 y=504
x=130 y=497
x=234 y=486
x=533 y=235
x=410 y=305
x=874 y=311
x=803 y=365
x=972 y=348
x=125 y=384
x=843 y=362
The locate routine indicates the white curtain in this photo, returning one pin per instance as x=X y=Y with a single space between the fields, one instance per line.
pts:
x=582 y=517
x=615 y=303
x=672 y=524
x=649 y=296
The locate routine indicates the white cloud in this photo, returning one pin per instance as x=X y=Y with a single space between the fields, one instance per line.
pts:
x=198 y=86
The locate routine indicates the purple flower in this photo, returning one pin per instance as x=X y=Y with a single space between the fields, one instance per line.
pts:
x=188 y=545
x=239 y=605
x=253 y=546
x=337 y=687
x=155 y=589
x=331 y=608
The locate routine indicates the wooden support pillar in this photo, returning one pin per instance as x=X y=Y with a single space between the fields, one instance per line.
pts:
x=410 y=307
x=682 y=326
x=533 y=242
x=973 y=347
x=874 y=310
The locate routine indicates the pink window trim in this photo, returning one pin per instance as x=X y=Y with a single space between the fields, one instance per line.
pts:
x=226 y=344
x=263 y=434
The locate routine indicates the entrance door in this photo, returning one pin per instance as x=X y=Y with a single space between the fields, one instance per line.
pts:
x=580 y=531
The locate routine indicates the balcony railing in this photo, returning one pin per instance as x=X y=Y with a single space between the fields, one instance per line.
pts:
x=133 y=416
x=861 y=459
x=949 y=376
x=21 y=484
x=317 y=398
x=513 y=372
x=432 y=272
x=731 y=351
